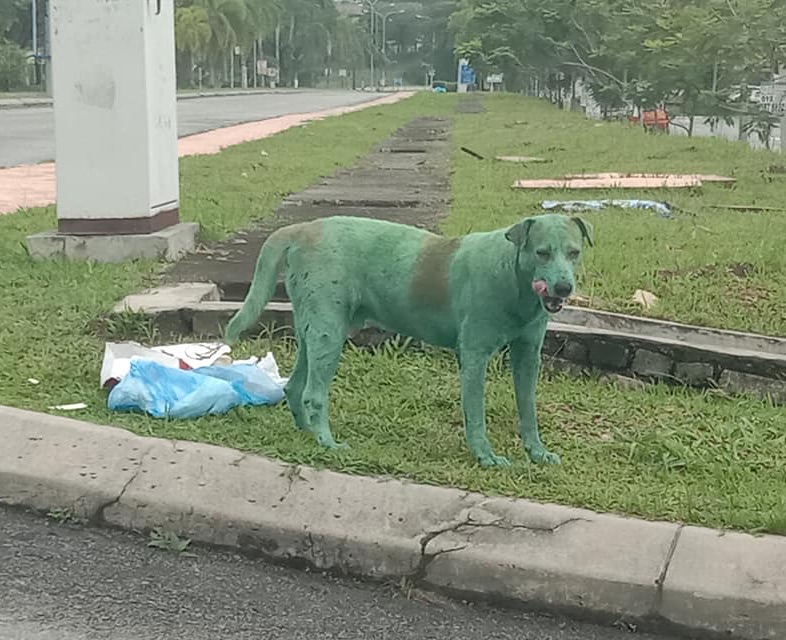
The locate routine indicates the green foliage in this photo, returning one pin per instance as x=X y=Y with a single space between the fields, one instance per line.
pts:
x=12 y=65
x=691 y=55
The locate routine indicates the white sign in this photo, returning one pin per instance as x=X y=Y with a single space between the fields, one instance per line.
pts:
x=494 y=78
x=342 y=73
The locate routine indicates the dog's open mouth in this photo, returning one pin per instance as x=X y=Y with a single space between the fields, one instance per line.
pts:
x=552 y=304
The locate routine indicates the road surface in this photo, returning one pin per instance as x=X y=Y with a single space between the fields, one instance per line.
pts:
x=27 y=135
x=66 y=582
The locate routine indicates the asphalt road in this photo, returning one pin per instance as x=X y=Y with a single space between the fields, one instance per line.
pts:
x=27 y=135
x=66 y=582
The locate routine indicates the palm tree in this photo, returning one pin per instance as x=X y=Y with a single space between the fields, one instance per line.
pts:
x=192 y=34
x=307 y=38
x=262 y=17
x=349 y=43
x=227 y=19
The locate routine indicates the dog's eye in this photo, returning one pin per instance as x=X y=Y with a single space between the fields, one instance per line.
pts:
x=573 y=255
x=544 y=254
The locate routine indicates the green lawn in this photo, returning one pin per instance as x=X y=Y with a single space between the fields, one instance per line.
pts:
x=689 y=262
x=658 y=453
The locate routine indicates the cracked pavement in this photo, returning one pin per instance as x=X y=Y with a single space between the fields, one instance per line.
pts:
x=68 y=582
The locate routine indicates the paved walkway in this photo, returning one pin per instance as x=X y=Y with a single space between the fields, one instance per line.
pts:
x=34 y=185
x=404 y=179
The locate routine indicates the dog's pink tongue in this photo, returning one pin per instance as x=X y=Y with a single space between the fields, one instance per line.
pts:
x=540 y=287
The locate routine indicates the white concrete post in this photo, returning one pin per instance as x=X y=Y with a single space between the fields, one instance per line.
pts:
x=115 y=122
x=461 y=87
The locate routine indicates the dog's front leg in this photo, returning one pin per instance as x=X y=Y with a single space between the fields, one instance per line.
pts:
x=525 y=362
x=472 y=372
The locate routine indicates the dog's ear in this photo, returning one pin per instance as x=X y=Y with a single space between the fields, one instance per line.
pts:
x=586 y=230
x=518 y=234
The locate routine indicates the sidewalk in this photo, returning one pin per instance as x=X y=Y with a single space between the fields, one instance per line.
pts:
x=513 y=551
x=35 y=185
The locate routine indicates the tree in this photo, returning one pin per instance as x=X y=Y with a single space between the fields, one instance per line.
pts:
x=694 y=56
x=12 y=65
x=192 y=34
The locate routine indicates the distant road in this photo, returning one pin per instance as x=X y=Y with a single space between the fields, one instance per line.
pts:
x=27 y=134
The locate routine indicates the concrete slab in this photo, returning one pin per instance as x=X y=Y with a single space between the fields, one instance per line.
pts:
x=168 y=244
x=727 y=583
x=168 y=297
x=571 y=558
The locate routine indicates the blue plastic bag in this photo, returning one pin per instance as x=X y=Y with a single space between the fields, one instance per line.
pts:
x=166 y=392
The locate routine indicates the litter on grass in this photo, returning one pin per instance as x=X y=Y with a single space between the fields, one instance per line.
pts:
x=661 y=208
x=187 y=381
x=622 y=181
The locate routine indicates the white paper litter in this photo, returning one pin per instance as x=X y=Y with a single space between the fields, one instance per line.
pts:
x=118 y=357
x=70 y=407
x=201 y=354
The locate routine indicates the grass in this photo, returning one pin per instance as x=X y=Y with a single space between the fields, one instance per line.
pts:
x=657 y=453
x=708 y=266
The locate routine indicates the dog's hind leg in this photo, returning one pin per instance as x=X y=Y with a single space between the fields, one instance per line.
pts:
x=472 y=374
x=296 y=385
x=324 y=335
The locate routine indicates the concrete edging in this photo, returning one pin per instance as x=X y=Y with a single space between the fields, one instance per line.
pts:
x=516 y=551
x=587 y=341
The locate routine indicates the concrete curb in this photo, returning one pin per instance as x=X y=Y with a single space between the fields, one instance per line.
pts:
x=517 y=551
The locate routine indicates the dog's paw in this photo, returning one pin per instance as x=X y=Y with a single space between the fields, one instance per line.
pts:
x=493 y=460
x=541 y=455
x=331 y=444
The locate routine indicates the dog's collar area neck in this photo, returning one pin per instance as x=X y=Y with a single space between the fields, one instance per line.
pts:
x=523 y=284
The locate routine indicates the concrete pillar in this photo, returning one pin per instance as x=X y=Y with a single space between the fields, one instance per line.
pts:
x=463 y=75
x=115 y=132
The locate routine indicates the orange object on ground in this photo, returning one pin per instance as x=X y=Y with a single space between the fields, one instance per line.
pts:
x=655 y=119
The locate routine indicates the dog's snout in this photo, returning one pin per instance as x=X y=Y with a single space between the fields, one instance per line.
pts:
x=563 y=289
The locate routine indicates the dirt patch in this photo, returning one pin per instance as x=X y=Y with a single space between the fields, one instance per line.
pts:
x=470 y=104
x=749 y=296
x=740 y=270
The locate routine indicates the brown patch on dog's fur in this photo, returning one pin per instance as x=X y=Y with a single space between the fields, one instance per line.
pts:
x=430 y=283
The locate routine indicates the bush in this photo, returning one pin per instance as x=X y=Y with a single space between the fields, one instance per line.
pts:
x=13 y=64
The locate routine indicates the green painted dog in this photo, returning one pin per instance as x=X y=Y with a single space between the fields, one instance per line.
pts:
x=474 y=294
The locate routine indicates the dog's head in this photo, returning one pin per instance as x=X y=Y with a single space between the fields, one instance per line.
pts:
x=549 y=250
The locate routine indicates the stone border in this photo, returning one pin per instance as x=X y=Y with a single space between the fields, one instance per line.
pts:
x=579 y=341
x=506 y=550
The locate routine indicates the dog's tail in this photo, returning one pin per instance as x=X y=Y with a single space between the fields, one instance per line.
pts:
x=263 y=285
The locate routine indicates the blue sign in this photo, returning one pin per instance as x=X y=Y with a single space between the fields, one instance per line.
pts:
x=466 y=74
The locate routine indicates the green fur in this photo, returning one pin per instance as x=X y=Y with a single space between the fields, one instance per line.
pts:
x=472 y=294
